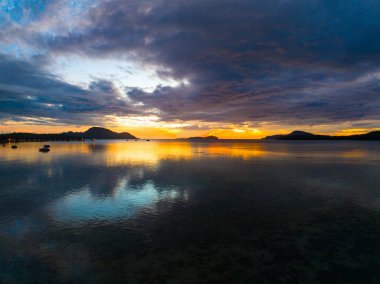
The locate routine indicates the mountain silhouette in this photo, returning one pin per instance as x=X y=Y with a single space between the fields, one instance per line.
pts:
x=198 y=138
x=102 y=133
x=92 y=133
x=203 y=138
x=302 y=135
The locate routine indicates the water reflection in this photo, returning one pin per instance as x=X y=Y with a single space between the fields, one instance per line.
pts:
x=245 y=211
x=148 y=153
x=125 y=201
x=116 y=153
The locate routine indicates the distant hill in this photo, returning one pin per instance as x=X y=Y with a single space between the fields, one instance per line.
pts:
x=374 y=135
x=198 y=138
x=203 y=138
x=101 y=133
x=302 y=135
x=92 y=133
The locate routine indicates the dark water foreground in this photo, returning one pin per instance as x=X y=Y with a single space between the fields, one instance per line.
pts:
x=180 y=212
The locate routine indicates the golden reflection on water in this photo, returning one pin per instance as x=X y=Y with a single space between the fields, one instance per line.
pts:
x=356 y=154
x=118 y=152
x=151 y=153
x=129 y=152
x=28 y=152
x=240 y=150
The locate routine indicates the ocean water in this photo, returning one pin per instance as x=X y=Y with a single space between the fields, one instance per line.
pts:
x=190 y=212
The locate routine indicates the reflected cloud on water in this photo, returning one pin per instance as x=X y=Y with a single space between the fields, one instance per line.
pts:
x=125 y=201
x=88 y=212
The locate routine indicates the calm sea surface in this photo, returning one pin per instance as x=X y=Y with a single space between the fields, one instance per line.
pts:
x=181 y=212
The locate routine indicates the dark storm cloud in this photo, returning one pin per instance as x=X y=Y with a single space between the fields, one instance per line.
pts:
x=245 y=60
x=29 y=93
x=287 y=104
x=293 y=61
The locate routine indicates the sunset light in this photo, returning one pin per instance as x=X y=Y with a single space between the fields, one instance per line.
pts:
x=190 y=141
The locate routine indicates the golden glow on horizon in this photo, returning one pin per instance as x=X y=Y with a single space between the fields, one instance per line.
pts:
x=238 y=133
x=355 y=131
x=151 y=128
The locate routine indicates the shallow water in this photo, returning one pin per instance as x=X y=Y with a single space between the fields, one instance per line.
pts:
x=199 y=212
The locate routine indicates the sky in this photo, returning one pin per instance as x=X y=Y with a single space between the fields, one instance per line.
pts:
x=179 y=68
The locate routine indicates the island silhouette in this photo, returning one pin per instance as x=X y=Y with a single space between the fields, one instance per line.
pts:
x=199 y=138
x=91 y=133
x=302 y=135
x=101 y=133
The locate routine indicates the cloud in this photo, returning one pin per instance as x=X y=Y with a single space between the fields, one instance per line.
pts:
x=285 y=61
x=28 y=90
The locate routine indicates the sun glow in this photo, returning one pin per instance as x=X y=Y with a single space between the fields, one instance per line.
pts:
x=237 y=133
x=153 y=127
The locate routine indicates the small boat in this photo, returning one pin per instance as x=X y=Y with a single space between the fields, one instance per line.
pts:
x=14 y=147
x=147 y=140
x=46 y=146
x=44 y=149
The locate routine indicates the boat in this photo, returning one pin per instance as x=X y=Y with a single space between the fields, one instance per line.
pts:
x=14 y=147
x=45 y=149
